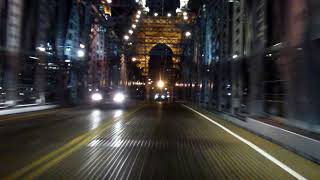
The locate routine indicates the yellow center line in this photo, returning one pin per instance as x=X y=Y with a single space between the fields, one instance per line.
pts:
x=61 y=153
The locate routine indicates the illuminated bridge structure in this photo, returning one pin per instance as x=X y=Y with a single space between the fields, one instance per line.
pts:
x=152 y=31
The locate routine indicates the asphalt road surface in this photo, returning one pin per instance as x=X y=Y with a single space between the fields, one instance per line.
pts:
x=148 y=141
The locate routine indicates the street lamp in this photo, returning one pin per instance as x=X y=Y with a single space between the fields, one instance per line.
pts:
x=126 y=37
x=188 y=34
x=160 y=84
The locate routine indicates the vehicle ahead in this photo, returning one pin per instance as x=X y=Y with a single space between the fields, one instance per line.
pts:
x=112 y=97
x=162 y=97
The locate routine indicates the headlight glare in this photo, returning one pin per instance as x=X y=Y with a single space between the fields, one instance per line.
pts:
x=96 y=97
x=119 y=98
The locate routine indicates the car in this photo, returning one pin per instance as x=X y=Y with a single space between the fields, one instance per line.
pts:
x=112 y=97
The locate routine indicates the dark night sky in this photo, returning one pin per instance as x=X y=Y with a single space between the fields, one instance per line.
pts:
x=169 y=5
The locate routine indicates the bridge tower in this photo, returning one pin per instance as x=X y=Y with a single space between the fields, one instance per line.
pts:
x=153 y=30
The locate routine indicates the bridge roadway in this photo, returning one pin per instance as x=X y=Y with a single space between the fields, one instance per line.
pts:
x=149 y=141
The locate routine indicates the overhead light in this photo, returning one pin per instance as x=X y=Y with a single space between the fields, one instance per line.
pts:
x=235 y=56
x=138 y=16
x=188 y=34
x=109 y=1
x=139 y=12
x=156 y=14
x=134 y=26
x=126 y=37
x=185 y=17
x=134 y=59
x=82 y=46
x=137 y=20
x=169 y=14
x=160 y=84
x=130 y=31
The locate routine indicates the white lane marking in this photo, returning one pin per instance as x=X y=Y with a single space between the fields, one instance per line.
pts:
x=253 y=146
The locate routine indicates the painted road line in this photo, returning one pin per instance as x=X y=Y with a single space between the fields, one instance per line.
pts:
x=58 y=155
x=37 y=172
x=253 y=146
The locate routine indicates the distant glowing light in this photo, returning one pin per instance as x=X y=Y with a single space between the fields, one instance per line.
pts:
x=185 y=17
x=81 y=53
x=82 y=46
x=188 y=34
x=169 y=14
x=138 y=16
x=130 y=31
x=185 y=14
x=235 y=56
x=139 y=12
x=134 y=59
x=126 y=37
x=109 y=1
x=134 y=26
x=160 y=84
x=155 y=14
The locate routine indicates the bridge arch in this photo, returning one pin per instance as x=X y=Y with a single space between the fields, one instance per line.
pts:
x=161 y=61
